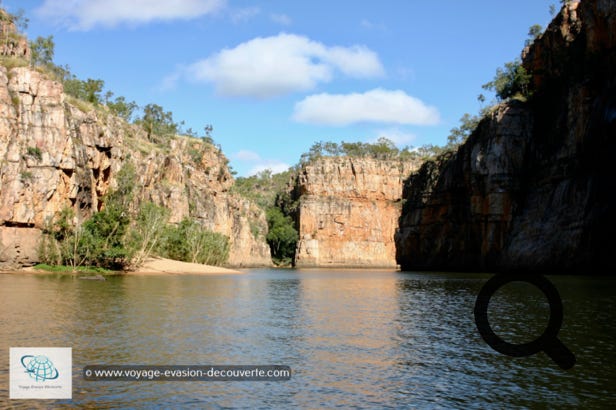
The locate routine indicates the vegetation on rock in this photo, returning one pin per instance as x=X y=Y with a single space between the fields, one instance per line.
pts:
x=122 y=231
x=118 y=237
x=265 y=188
x=281 y=237
x=190 y=242
x=511 y=81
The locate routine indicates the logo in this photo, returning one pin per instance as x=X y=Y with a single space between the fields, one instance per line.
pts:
x=41 y=373
x=548 y=342
x=39 y=368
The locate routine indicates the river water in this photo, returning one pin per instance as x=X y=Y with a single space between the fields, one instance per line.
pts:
x=353 y=339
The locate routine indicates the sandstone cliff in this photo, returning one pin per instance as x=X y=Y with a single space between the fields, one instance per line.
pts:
x=57 y=152
x=348 y=210
x=532 y=188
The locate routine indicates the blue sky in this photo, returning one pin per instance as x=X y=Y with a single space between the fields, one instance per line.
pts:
x=273 y=77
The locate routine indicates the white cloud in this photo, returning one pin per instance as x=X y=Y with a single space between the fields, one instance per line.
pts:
x=267 y=67
x=396 y=135
x=275 y=166
x=378 y=105
x=356 y=61
x=369 y=25
x=245 y=155
x=281 y=19
x=245 y=14
x=365 y=23
x=170 y=81
x=87 y=14
x=260 y=164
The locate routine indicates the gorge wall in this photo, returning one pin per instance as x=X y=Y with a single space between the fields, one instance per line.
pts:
x=348 y=211
x=57 y=152
x=533 y=186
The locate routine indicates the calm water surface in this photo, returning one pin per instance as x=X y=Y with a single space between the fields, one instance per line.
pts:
x=354 y=339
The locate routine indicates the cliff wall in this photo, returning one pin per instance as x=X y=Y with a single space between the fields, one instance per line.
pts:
x=532 y=188
x=348 y=211
x=57 y=152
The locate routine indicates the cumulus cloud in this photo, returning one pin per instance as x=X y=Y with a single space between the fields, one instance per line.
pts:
x=369 y=25
x=87 y=14
x=378 y=105
x=245 y=155
x=275 y=166
x=281 y=19
x=260 y=164
x=245 y=14
x=396 y=135
x=267 y=67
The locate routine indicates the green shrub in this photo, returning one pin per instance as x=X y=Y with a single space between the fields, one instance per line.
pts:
x=147 y=231
x=190 y=242
x=12 y=62
x=99 y=241
x=103 y=240
x=281 y=237
x=26 y=176
x=35 y=152
x=512 y=81
x=67 y=269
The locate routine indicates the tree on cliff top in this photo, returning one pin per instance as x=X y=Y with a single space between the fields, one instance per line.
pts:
x=383 y=148
x=459 y=134
x=42 y=50
x=157 y=121
x=511 y=81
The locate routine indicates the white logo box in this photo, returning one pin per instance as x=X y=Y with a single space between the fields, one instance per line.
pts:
x=41 y=373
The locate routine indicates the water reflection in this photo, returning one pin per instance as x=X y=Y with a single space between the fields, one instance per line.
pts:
x=353 y=339
x=347 y=322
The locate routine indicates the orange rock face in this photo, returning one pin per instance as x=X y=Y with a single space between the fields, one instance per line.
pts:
x=54 y=154
x=348 y=212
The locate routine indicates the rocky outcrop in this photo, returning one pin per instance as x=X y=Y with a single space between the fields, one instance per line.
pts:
x=348 y=210
x=532 y=188
x=57 y=152
x=12 y=44
x=193 y=180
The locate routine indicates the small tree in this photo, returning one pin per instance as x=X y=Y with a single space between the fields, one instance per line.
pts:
x=511 y=81
x=147 y=231
x=282 y=236
x=534 y=32
x=459 y=134
x=122 y=108
x=64 y=242
x=42 y=50
x=92 y=90
x=157 y=121
x=384 y=148
x=104 y=239
x=190 y=242
x=124 y=193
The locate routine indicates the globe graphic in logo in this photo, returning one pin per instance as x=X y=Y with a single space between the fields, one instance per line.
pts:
x=40 y=368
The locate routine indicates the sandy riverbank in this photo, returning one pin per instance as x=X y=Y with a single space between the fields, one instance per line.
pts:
x=160 y=266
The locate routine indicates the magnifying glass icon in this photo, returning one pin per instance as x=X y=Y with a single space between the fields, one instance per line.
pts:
x=548 y=342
